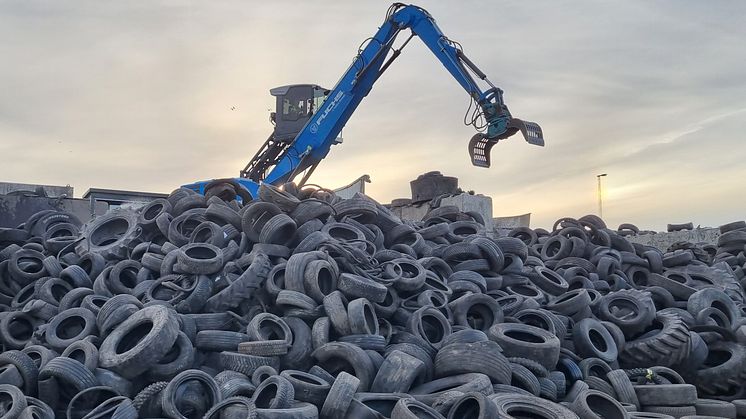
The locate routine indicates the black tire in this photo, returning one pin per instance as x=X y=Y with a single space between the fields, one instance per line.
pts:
x=172 y=399
x=276 y=392
x=340 y=396
x=73 y=298
x=592 y=404
x=111 y=379
x=83 y=351
x=715 y=298
x=230 y=406
x=429 y=324
x=337 y=356
x=520 y=405
x=397 y=373
x=14 y=401
x=70 y=326
x=362 y=317
x=89 y=399
x=219 y=340
x=178 y=359
x=633 y=311
x=246 y=364
x=666 y=394
x=199 y=258
x=356 y=286
x=263 y=347
x=673 y=411
x=476 y=311
x=334 y=305
x=146 y=336
x=724 y=368
x=592 y=339
x=623 y=387
x=267 y=326
x=668 y=347
x=308 y=387
x=479 y=357
x=715 y=408
x=518 y=340
x=548 y=281
x=279 y=229
x=39 y=354
x=25 y=366
x=523 y=378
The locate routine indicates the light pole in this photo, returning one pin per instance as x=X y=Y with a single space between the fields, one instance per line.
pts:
x=600 y=203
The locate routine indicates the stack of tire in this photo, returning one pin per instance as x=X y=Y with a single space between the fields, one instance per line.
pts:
x=302 y=305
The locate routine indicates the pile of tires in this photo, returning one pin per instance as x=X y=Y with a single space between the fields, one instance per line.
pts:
x=302 y=305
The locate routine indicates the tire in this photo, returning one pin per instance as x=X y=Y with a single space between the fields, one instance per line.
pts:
x=591 y=404
x=246 y=364
x=522 y=377
x=338 y=356
x=279 y=229
x=716 y=408
x=263 y=348
x=674 y=411
x=308 y=387
x=340 y=396
x=25 y=366
x=171 y=365
x=592 y=339
x=148 y=335
x=479 y=357
x=548 y=281
x=666 y=394
x=623 y=387
x=111 y=379
x=518 y=340
x=170 y=396
x=362 y=317
x=476 y=311
x=73 y=298
x=397 y=373
x=529 y=406
x=276 y=392
x=199 y=258
x=14 y=401
x=715 y=298
x=668 y=347
x=429 y=324
x=724 y=368
x=83 y=351
x=111 y=235
x=39 y=354
x=67 y=372
x=70 y=326
x=267 y=326
x=635 y=311
x=240 y=406
x=355 y=286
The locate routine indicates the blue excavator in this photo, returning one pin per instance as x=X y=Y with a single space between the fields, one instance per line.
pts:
x=308 y=118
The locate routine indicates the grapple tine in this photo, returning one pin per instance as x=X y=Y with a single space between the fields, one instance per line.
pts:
x=531 y=131
x=479 y=150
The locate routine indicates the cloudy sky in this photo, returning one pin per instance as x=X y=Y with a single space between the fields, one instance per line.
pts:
x=138 y=95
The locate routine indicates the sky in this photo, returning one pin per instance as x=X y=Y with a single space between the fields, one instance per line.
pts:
x=138 y=95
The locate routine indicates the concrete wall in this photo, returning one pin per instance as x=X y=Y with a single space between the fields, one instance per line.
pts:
x=15 y=210
x=51 y=191
x=465 y=202
x=664 y=240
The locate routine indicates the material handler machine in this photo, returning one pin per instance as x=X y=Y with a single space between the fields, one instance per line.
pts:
x=308 y=118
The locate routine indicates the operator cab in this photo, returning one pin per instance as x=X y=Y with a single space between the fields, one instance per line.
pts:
x=296 y=104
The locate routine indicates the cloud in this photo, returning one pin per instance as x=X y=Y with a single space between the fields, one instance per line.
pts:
x=138 y=95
